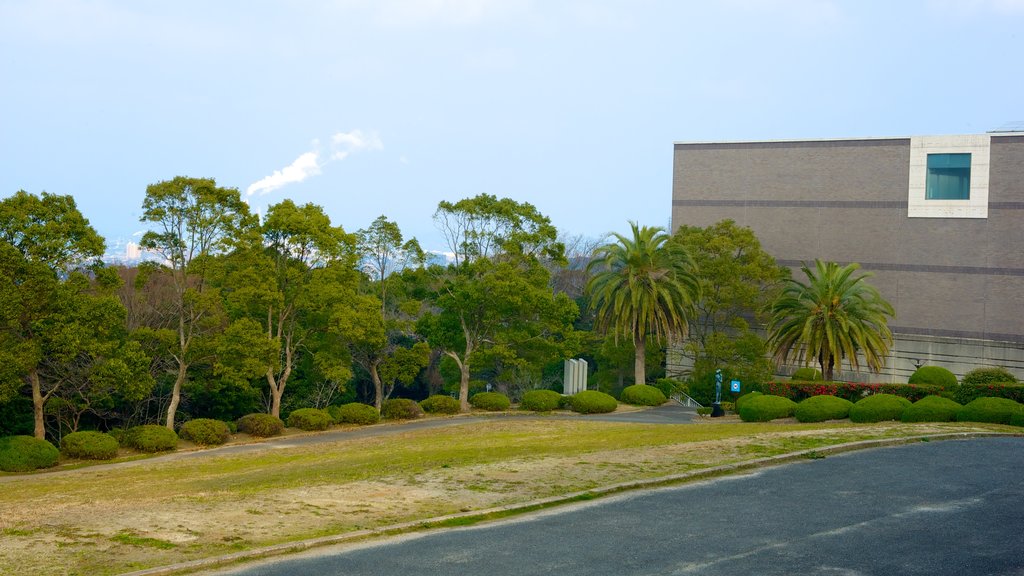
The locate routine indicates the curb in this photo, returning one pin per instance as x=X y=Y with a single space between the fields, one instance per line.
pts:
x=535 y=505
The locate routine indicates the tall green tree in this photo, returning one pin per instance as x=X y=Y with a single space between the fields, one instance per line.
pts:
x=193 y=220
x=58 y=328
x=270 y=281
x=642 y=286
x=384 y=252
x=496 y=301
x=738 y=280
x=834 y=316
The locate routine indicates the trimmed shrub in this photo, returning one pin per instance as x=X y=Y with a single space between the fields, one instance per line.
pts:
x=821 y=408
x=806 y=374
x=964 y=393
x=593 y=402
x=441 y=404
x=936 y=375
x=151 y=438
x=642 y=395
x=728 y=406
x=354 y=413
x=490 y=401
x=260 y=425
x=541 y=401
x=879 y=407
x=932 y=409
x=565 y=402
x=309 y=419
x=205 y=432
x=748 y=396
x=1017 y=419
x=994 y=410
x=765 y=407
x=400 y=409
x=89 y=445
x=26 y=453
x=989 y=376
x=668 y=386
x=852 y=391
x=704 y=410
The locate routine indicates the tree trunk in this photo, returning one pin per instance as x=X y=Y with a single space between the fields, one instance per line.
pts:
x=640 y=360
x=37 y=404
x=463 y=379
x=378 y=386
x=464 y=386
x=277 y=384
x=172 y=408
x=827 y=365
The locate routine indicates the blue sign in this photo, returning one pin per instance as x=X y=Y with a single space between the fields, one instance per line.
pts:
x=734 y=386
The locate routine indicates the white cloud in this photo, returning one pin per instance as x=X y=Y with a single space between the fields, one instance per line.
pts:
x=356 y=140
x=306 y=165
x=311 y=163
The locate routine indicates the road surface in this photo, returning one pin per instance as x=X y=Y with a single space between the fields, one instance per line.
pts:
x=935 y=508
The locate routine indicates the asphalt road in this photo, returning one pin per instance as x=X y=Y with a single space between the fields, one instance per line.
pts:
x=951 y=507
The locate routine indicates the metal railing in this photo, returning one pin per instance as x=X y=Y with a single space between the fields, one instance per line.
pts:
x=685 y=400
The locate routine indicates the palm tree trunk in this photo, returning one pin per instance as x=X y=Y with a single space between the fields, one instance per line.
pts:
x=640 y=360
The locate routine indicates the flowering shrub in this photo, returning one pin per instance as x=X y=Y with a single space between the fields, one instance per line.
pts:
x=965 y=393
x=852 y=391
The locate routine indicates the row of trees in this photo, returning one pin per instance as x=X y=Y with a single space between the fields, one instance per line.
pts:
x=243 y=315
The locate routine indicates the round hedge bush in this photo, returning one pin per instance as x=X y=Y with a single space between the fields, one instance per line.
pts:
x=936 y=375
x=441 y=404
x=989 y=376
x=593 y=402
x=26 y=453
x=309 y=419
x=490 y=401
x=354 y=413
x=765 y=407
x=932 y=409
x=806 y=374
x=260 y=425
x=994 y=410
x=400 y=409
x=89 y=445
x=205 y=432
x=821 y=408
x=541 y=401
x=1017 y=419
x=743 y=399
x=151 y=438
x=879 y=407
x=642 y=395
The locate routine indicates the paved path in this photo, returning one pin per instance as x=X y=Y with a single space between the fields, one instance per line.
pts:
x=937 y=508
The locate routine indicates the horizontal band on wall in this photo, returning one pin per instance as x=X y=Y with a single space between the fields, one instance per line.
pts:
x=900 y=204
x=995 y=337
x=796 y=203
x=793 y=144
x=931 y=268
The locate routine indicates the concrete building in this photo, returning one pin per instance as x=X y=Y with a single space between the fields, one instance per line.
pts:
x=938 y=220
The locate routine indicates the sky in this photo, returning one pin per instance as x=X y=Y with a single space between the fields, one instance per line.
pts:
x=371 y=107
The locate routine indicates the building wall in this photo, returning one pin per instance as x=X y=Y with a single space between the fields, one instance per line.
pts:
x=957 y=284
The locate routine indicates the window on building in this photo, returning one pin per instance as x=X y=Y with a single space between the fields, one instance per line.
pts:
x=949 y=177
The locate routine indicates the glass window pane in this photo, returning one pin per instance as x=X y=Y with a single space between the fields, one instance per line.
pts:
x=949 y=177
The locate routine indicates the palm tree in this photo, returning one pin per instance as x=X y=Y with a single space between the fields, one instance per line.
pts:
x=641 y=286
x=832 y=317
